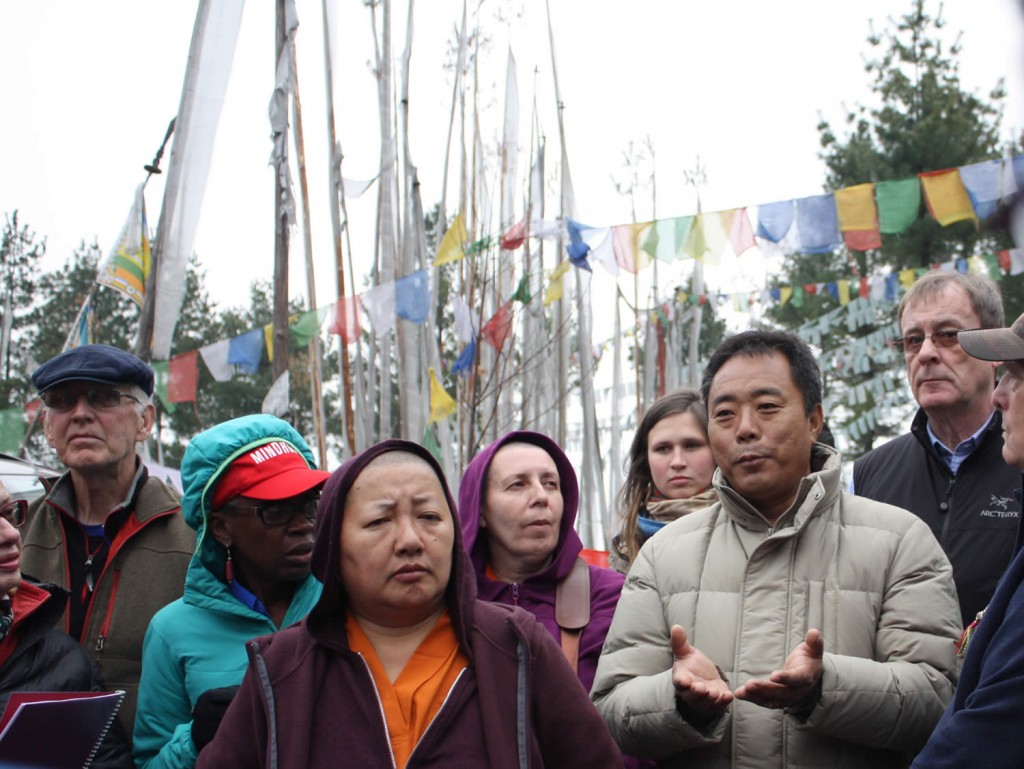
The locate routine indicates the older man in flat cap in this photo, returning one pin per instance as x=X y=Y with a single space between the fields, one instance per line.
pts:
x=107 y=532
x=981 y=725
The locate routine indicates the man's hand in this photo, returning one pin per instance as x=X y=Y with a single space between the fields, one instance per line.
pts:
x=797 y=680
x=699 y=686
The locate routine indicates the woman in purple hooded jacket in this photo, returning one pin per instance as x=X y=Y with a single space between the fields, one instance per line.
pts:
x=517 y=503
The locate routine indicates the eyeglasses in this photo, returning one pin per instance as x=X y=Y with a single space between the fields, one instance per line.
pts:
x=282 y=513
x=15 y=511
x=100 y=398
x=911 y=343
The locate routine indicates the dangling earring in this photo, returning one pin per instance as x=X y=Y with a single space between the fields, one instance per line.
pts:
x=6 y=616
x=229 y=567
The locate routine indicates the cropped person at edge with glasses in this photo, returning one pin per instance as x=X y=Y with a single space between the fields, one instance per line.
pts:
x=251 y=493
x=949 y=469
x=35 y=653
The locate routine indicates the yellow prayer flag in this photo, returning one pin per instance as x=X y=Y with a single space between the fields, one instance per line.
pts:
x=785 y=294
x=907 y=277
x=555 y=290
x=451 y=248
x=442 y=404
x=268 y=338
x=947 y=197
x=844 y=291
x=856 y=208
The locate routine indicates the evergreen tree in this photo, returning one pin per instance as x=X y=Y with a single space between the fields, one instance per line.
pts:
x=923 y=120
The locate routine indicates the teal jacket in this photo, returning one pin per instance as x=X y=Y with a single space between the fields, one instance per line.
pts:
x=198 y=642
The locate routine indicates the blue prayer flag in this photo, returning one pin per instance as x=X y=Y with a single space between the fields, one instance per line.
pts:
x=412 y=297
x=246 y=351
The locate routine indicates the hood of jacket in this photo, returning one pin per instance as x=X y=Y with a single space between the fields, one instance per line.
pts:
x=326 y=622
x=206 y=458
x=473 y=490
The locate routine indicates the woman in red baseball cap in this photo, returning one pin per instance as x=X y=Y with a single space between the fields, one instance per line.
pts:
x=251 y=492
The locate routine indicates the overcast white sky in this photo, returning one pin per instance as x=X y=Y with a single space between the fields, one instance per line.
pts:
x=90 y=85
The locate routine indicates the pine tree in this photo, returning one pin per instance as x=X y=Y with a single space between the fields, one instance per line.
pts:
x=923 y=120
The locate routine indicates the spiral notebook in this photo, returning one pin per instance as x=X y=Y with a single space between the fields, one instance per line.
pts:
x=55 y=730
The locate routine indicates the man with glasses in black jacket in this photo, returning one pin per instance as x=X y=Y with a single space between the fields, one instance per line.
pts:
x=949 y=468
x=107 y=532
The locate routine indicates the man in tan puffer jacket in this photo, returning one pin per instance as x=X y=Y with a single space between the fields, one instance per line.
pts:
x=790 y=624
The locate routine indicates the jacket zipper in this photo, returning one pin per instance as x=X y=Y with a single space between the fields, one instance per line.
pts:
x=426 y=731
x=269 y=707
x=111 y=555
x=946 y=508
x=101 y=639
x=380 y=707
x=515 y=593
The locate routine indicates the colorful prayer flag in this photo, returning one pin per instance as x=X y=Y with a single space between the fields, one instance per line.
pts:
x=246 y=351
x=947 y=199
x=898 y=203
x=818 y=224
x=497 y=329
x=412 y=296
x=442 y=404
x=127 y=264
x=346 y=318
x=183 y=377
x=516 y=235
x=858 y=217
x=453 y=242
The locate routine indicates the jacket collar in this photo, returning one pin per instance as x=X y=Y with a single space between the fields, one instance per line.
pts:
x=817 y=492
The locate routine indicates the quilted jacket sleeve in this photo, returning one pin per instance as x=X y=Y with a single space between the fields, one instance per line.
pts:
x=633 y=688
x=894 y=700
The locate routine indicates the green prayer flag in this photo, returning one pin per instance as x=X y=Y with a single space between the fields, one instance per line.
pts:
x=992 y=264
x=898 y=204
x=431 y=445
x=12 y=430
x=798 y=296
x=650 y=244
x=522 y=293
x=161 y=374
x=305 y=327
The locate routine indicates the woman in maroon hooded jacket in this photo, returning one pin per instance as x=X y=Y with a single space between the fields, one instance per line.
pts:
x=517 y=502
x=399 y=664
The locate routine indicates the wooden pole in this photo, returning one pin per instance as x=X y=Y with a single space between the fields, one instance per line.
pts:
x=337 y=199
x=315 y=374
x=280 y=307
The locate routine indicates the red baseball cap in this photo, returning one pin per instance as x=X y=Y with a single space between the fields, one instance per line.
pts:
x=271 y=471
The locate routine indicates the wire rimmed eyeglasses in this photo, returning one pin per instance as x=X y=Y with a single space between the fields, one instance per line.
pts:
x=15 y=512
x=101 y=398
x=911 y=343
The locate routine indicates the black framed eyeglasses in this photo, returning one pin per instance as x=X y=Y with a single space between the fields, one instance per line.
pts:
x=15 y=511
x=101 y=398
x=281 y=513
x=911 y=343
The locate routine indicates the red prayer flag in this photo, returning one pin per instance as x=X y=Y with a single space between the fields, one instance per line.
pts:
x=1004 y=260
x=33 y=406
x=497 y=329
x=516 y=236
x=862 y=240
x=346 y=318
x=183 y=377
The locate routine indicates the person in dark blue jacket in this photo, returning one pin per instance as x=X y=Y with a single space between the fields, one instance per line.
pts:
x=981 y=725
